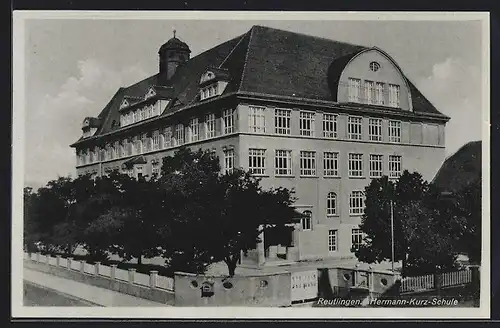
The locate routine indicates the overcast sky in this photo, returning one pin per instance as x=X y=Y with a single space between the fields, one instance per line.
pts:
x=73 y=68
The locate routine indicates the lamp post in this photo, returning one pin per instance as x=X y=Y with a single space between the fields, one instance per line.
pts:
x=392 y=235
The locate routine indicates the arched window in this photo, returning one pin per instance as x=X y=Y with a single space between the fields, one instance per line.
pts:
x=307 y=220
x=331 y=204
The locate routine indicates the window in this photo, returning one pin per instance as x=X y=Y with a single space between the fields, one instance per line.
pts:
x=155 y=168
x=332 y=240
x=394 y=95
x=374 y=66
x=307 y=163
x=138 y=170
x=356 y=238
x=257 y=161
x=124 y=148
x=376 y=166
x=282 y=121
x=356 y=203
x=167 y=137
x=138 y=146
x=354 y=90
x=156 y=140
x=379 y=93
x=227 y=120
x=179 y=134
x=394 y=166
x=306 y=124
x=375 y=129
x=370 y=92
x=355 y=165
x=194 y=127
x=145 y=143
x=228 y=160
x=394 y=131
x=331 y=204
x=306 y=221
x=354 y=128
x=210 y=126
x=331 y=164
x=142 y=114
x=257 y=119
x=329 y=126
x=283 y=162
x=135 y=117
x=116 y=149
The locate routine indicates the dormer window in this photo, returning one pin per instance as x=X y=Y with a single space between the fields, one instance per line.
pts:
x=209 y=91
x=374 y=66
x=213 y=83
x=124 y=104
x=151 y=93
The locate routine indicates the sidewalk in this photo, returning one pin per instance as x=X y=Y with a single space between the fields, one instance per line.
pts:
x=96 y=295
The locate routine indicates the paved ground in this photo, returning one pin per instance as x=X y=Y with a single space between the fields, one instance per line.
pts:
x=60 y=288
x=35 y=295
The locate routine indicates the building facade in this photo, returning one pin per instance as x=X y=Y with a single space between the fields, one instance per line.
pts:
x=312 y=114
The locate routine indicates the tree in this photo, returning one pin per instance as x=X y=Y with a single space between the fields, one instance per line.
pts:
x=468 y=204
x=223 y=215
x=30 y=233
x=421 y=241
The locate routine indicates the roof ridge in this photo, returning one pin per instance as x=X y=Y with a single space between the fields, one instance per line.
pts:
x=309 y=36
x=246 y=58
x=232 y=50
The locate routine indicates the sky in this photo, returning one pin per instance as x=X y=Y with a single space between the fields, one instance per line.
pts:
x=74 y=66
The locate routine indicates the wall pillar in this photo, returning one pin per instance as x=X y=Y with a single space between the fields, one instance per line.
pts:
x=261 y=255
x=82 y=266
x=113 y=271
x=96 y=268
x=153 y=276
x=131 y=272
x=68 y=264
x=58 y=260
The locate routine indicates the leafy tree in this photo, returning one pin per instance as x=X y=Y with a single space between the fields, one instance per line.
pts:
x=421 y=240
x=30 y=233
x=223 y=215
x=468 y=204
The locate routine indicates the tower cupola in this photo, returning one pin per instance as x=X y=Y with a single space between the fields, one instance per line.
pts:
x=173 y=53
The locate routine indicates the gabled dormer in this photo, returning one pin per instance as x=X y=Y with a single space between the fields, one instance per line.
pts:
x=151 y=93
x=90 y=126
x=213 y=82
x=129 y=101
x=152 y=104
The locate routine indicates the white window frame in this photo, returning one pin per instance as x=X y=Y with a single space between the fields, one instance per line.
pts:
x=331 y=204
x=179 y=134
x=330 y=164
x=307 y=163
x=228 y=160
x=333 y=240
x=394 y=95
x=375 y=129
x=355 y=165
x=156 y=140
x=144 y=142
x=356 y=203
x=329 y=125
x=210 y=126
x=376 y=166
x=283 y=162
x=394 y=131
x=379 y=93
x=257 y=161
x=369 y=92
x=167 y=137
x=354 y=90
x=354 y=127
x=357 y=237
x=156 y=168
x=395 y=163
x=306 y=123
x=282 y=119
x=306 y=221
x=123 y=148
x=228 y=121
x=194 y=129
x=257 y=119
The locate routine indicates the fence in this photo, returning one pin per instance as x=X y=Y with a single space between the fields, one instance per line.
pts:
x=152 y=280
x=430 y=281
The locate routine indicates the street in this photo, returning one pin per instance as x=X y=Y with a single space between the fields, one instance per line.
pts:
x=38 y=296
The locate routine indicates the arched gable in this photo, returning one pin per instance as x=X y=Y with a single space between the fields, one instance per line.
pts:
x=378 y=77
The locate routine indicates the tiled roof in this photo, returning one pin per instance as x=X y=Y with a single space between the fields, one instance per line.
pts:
x=263 y=60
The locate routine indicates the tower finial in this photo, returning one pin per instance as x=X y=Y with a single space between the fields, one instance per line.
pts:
x=174 y=32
